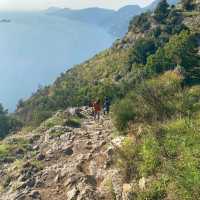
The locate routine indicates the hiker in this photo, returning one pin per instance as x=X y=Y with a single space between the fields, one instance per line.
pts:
x=97 y=109
x=106 y=106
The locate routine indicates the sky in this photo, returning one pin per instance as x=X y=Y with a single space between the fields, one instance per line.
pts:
x=75 y=4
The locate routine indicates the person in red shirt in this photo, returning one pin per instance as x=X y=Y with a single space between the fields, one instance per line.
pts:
x=97 y=109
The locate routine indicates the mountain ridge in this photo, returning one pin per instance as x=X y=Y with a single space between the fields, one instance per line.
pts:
x=114 y=21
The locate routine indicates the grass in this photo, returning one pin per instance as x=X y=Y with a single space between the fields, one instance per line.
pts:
x=74 y=122
x=4 y=150
x=8 y=148
x=191 y=14
x=108 y=184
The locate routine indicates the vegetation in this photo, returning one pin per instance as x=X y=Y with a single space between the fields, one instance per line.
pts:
x=7 y=123
x=161 y=11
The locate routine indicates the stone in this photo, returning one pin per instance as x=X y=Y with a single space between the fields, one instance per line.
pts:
x=57 y=179
x=30 y=182
x=35 y=195
x=40 y=157
x=72 y=194
x=68 y=151
x=127 y=190
x=142 y=183
x=36 y=147
x=19 y=151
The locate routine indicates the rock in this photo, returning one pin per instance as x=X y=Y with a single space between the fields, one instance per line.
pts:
x=68 y=151
x=40 y=157
x=30 y=183
x=19 y=151
x=110 y=151
x=36 y=147
x=127 y=190
x=72 y=180
x=89 y=143
x=20 y=197
x=103 y=143
x=117 y=181
x=72 y=194
x=142 y=183
x=57 y=179
x=35 y=195
x=34 y=138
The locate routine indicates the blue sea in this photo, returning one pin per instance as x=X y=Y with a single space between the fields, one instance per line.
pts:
x=35 y=48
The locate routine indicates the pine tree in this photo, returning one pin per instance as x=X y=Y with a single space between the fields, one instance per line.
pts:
x=161 y=11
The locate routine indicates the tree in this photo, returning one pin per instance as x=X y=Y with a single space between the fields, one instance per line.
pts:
x=161 y=11
x=7 y=122
x=141 y=50
x=4 y=122
x=182 y=51
x=187 y=4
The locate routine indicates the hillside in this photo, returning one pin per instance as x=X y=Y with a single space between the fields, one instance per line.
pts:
x=147 y=148
x=109 y=71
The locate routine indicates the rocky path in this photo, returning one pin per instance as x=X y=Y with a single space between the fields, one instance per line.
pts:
x=75 y=164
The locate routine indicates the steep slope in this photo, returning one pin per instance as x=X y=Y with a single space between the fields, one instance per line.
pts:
x=61 y=162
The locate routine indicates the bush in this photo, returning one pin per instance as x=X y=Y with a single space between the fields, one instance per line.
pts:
x=182 y=51
x=73 y=122
x=149 y=152
x=7 y=123
x=39 y=116
x=187 y=5
x=123 y=113
x=155 y=191
x=141 y=50
x=161 y=11
x=140 y=22
x=126 y=159
x=153 y=100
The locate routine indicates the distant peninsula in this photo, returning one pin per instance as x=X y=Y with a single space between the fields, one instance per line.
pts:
x=5 y=20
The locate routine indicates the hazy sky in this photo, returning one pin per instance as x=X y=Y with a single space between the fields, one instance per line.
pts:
x=43 y=4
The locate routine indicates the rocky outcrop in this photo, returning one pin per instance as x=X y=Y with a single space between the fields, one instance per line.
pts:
x=75 y=164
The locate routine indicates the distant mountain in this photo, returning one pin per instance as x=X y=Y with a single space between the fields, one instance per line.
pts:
x=118 y=23
x=52 y=9
x=89 y=15
x=115 y=22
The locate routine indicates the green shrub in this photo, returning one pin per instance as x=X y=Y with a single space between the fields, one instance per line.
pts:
x=123 y=113
x=182 y=51
x=149 y=152
x=153 y=100
x=141 y=50
x=161 y=11
x=73 y=122
x=126 y=159
x=155 y=191
x=141 y=22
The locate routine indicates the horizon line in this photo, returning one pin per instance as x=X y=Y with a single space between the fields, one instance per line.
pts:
x=43 y=9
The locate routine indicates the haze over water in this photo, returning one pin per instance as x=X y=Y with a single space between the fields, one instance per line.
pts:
x=36 y=48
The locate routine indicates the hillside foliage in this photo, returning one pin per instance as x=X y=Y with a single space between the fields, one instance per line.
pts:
x=7 y=122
